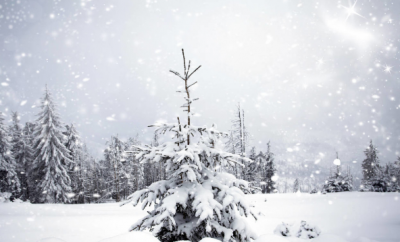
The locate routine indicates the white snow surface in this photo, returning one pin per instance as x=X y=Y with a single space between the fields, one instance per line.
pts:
x=342 y=217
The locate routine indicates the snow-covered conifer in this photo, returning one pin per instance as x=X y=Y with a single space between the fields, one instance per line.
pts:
x=296 y=185
x=137 y=173
x=114 y=153
x=73 y=141
x=394 y=171
x=251 y=171
x=197 y=200
x=269 y=171
x=382 y=181
x=73 y=144
x=338 y=181
x=371 y=163
x=9 y=181
x=28 y=132
x=49 y=169
x=23 y=154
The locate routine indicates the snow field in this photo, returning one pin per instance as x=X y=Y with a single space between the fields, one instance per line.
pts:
x=342 y=217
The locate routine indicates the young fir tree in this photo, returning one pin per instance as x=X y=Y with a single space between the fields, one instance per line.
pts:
x=394 y=170
x=252 y=167
x=390 y=173
x=269 y=171
x=337 y=181
x=91 y=181
x=49 y=172
x=9 y=181
x=137 y=174
x=196 y=200
x=296 y=185
x=72 y=142
x=28 y=137
x=114 y=153
x=75 y=168
x=382 y=181
x=371 y=163
x=161 y=168
x=23 y=154
x=28 y=132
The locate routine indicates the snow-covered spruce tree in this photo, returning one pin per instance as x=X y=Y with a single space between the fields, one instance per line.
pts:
x=337 y=181
x=381 y=182
x=105 y=179
x=136 y=169
x=9 y=181
x=251 y=170
x=28 y=132
x=196 y=200
x=72 y=142
x=91 y=182
x=390 y=174
x=296 y=185
x=114 y=153
x=28 y=136
x=23 y=154
x=75 y=168
x=49 y=171
x=268 y=171
x=160 y=173
x=394 y=171
x=371 y=162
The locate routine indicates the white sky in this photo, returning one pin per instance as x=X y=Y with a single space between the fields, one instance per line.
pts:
x=311 y=77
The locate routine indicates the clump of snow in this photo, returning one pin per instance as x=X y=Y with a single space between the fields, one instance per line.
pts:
x=5 y=197
x=209 y=240
x=283 y=229
x=336 y=162
x=302 y=230
x=275 y=178
x=270 y=238
x=18 y=201
x=132 y=236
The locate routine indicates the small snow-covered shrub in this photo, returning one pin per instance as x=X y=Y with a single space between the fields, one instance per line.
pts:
x=283 y=229
x=338 y=183
x=313 y=191
x=308 y=231
x=302 y=230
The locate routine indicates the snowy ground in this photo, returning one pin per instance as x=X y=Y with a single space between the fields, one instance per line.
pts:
x=359 y=217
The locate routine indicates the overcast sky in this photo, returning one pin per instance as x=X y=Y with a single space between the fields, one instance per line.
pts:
x=313 y=77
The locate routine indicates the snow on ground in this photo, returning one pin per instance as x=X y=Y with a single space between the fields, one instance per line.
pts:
x=346 y=216
x=342 y=217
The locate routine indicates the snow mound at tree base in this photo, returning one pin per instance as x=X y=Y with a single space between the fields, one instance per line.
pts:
x=324 y=238
x=5 y=197
x=209 y=240
x=302 y=230
x=132 y=236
